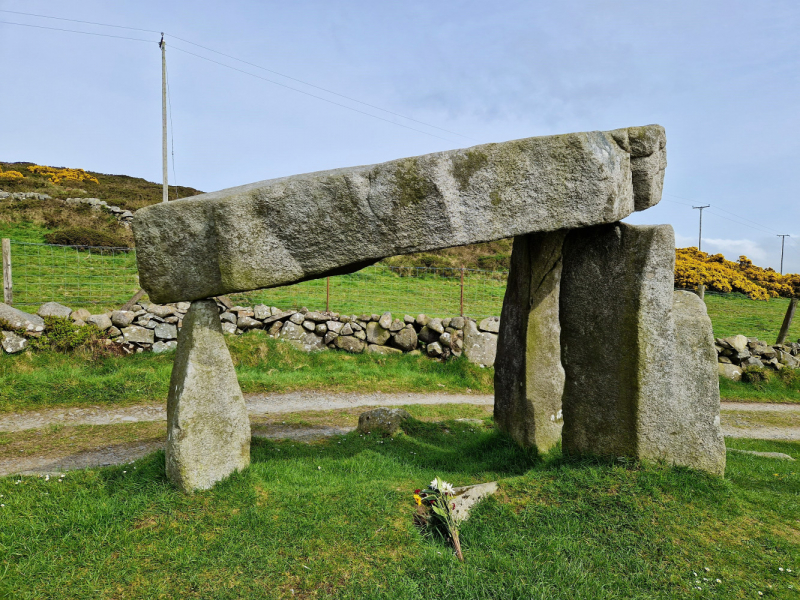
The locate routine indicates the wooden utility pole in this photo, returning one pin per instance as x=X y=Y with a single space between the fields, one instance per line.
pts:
x=787 y=321
x=165 y=188
x=163 y=45
x=700 y=235
x=8 y=295
x=783 y=239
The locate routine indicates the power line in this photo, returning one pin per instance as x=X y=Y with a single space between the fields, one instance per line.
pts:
x=323 y=89
x=16 y=12
x=120 y=37
x=216 y=62
x=716 y=208
x=351 y=99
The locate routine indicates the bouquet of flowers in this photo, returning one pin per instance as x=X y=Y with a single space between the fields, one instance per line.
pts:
x=435 y=508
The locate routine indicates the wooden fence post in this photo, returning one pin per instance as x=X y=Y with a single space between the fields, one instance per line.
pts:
x=787 y=321
x=701 y=291
x=8 y=293
x=462 y=291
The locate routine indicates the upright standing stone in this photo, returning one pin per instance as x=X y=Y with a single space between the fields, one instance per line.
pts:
x=529 y=378
x=696 y=386
x=618 y=340
x=635 y=386
x=208 y=430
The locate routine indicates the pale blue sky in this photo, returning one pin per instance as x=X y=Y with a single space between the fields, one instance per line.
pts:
x=722 y=77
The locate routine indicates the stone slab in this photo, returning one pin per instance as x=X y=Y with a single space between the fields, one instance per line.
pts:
x=687 y=431
x=20 y=320
x=256 y=236
x=54 y=309
x=480 y=347
x=12 y=343
x=208 y=430
x=466 y=497
x=529 y=378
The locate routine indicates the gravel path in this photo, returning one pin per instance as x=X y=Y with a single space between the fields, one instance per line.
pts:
x=266 y=404
x=257 y=404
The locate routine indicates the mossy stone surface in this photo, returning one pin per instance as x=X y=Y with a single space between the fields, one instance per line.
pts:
x=292 y=229
x=529 y=378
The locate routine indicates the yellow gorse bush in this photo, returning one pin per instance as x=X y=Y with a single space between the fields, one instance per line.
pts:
x=10 y=175
x=56 y=176
x=693 y=268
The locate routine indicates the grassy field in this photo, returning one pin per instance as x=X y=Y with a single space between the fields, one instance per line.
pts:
x=334 y=520
x=50 y=379
x=734 y=314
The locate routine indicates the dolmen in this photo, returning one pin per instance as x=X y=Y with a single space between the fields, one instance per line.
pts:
x=595 y=349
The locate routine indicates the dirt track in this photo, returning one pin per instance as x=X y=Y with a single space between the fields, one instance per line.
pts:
x=744 y=420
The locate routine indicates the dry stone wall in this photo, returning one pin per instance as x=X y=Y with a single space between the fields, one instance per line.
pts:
x=123 y=216
x=737 y=353
x=156 y=327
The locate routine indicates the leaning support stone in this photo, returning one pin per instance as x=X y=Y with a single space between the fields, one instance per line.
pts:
x=696 y=387
x=635 y=385
x=529 y=378
x=208 y=430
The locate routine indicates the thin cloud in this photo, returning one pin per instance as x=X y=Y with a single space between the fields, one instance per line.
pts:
x=732 y=249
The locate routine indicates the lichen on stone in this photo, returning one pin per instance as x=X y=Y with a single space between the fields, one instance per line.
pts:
x=466 y=165
x=410 y=185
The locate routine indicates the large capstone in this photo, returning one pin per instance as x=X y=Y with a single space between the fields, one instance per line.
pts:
x=256 y=236
x=208 y=430
x=529 y=378
x=635 y=386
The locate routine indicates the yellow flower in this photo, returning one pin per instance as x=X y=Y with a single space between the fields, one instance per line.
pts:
x=418 y=499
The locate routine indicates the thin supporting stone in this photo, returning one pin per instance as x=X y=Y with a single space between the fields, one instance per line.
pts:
x=529 y=378
x=208 y=430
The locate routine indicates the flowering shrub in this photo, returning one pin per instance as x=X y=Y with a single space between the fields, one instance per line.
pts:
x=435 y=511
x=56 y=176
x=10 y=175
x=693 y=268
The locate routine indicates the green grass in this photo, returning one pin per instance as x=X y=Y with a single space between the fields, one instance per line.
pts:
x=49 y=379
x=778 y=387
x=334 y=520
x=23 y=231
x=734 y=314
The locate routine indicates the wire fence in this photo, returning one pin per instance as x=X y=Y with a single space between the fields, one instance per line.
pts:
x=77 y=276
x=105 y=278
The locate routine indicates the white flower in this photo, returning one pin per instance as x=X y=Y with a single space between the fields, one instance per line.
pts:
x=780 y=569
x=447 y=488
x=434 y=484
x=718 y=580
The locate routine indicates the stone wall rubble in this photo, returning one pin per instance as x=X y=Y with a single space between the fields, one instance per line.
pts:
x=123 y=216
x=736 y=353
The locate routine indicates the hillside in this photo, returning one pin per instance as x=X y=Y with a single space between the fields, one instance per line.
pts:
x=31 y=220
